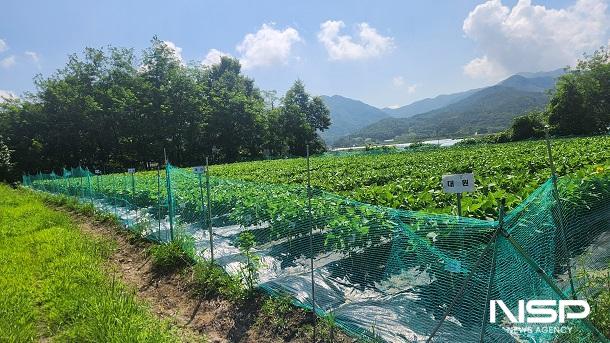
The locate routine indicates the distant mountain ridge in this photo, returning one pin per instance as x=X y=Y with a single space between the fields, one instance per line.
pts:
x=428 y=104
x=348 y=115
x=483 y=110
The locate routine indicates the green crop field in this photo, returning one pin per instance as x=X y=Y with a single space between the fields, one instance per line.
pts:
x=412 y=180
x=267 y=199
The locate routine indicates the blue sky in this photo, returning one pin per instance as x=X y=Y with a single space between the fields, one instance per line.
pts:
x=385 y=53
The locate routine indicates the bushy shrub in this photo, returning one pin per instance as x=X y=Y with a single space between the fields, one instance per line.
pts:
x=210 y=280
x=528 y=126
x=171 y=256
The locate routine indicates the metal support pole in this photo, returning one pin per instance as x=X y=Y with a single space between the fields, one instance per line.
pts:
x=313 y=285
x=492 y=271
x=458 y=296
x=459 y=203
x=133 y=196
x=89 y=188
x=203 y=212
x=159 y=202
x=170 y=200
x=207 y=186
x=561 y=225
x=547 y=279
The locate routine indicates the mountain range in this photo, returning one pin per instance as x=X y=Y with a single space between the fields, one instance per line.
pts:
x=482 y=110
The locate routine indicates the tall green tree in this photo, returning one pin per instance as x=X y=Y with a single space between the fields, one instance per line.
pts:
x=6 y=166
x=302 y=116
x=581 y=102
x=236 y=120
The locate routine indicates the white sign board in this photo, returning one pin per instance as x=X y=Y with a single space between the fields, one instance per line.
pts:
x=458 y=183
x=199 y=170
x=98 y=172
x=131 y=170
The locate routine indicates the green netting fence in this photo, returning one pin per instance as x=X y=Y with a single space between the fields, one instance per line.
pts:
x=384 y=274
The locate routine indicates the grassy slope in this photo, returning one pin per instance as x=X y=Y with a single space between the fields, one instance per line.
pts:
x=54 y=285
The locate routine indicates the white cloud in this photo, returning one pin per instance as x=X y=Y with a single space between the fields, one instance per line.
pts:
x=368 y=44
x=6 y=95
x=267 y=46
x=394 y=106
x=34 y=57
x=213 y=57
x=176 y=50
x=8 y=62
x=530 y=37
x=482 y=67
x=398 y=81
x=3 y=45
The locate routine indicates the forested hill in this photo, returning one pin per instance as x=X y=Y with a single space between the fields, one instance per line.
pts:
x=483 y=110
x=348 y=115
x=428 y=104
x=489 y=110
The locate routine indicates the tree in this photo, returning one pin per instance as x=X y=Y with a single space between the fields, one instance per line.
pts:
x=581 y=102
x=301 y=117
x=109 y=109
x=5 y=161
x=236 y=123
x=567 y=112
x=527 y=126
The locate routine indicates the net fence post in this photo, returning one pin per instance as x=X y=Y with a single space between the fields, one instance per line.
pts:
x=202 y=208
x=133 y=197
x=209 y=207
x=89 y=190
x=311 y=250
x=170 y=199
x=561 y=224
x=159 y=202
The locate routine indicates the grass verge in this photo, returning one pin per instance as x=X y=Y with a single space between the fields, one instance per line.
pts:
x=54 y=285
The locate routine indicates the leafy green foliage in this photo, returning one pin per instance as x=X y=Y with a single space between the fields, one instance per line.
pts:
x=594 y=286
x=210 y=280
x=6 y=165
x=249 y=272
x=301 y=116
x=275 y=312
x=173 y=255
x=581 y=103
x=411 y=180
x=530 y=125
x=112 y=109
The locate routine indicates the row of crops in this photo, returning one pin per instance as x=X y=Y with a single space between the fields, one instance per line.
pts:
x=364 y=253
x=411 y=179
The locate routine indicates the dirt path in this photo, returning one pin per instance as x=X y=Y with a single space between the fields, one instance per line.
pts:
x=218 y=320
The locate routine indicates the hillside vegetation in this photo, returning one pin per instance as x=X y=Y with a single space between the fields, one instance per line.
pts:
x=489 y=110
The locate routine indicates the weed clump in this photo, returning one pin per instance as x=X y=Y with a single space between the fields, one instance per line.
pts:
x=172 y=256
x=210 y=280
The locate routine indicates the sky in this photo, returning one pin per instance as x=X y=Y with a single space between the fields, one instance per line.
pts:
x=385 y=53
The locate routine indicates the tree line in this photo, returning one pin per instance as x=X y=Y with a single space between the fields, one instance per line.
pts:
x=579 y=105
x=109 y=108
